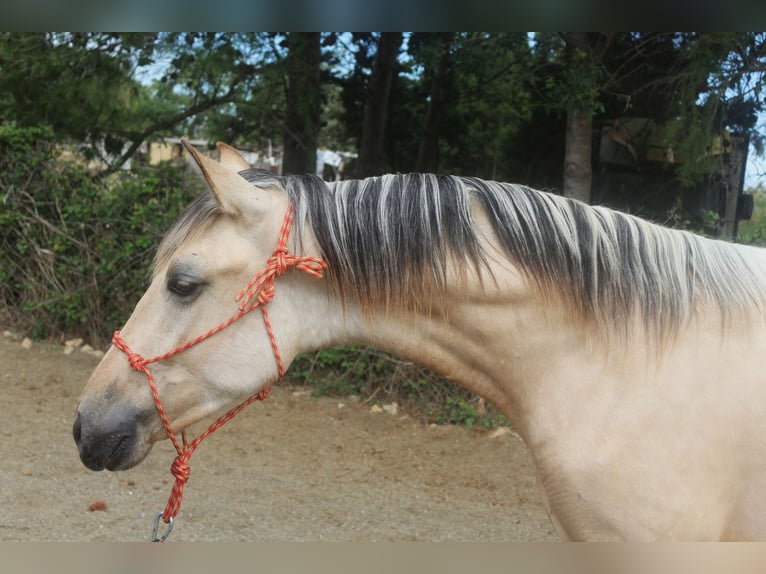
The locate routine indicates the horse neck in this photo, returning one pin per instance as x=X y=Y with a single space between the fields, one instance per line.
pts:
x=488 y=331
x=499 y=341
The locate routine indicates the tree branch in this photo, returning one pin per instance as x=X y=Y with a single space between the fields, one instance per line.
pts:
x=169 y=122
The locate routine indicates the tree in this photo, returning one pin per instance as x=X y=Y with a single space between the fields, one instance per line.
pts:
x=470 y=92
x=691 y=85
x=378 y=141
x=438 y=70
x=207 y=72
x=371 y=156
x=302 y=114
x=487 y=102
x=492 y=104
x=85 y=86
x=79 y=84
x=583 y=55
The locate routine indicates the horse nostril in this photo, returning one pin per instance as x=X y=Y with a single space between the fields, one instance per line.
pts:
x=77 y=429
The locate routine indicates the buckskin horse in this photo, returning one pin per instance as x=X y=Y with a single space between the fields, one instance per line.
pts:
x=629 y=357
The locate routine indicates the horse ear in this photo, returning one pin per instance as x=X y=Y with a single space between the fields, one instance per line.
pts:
x=233 y=193
x=230 y=157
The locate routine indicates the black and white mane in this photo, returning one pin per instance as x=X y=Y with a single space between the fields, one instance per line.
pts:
x=389 y=241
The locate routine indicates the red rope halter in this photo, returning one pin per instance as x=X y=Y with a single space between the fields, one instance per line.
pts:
x=261 y=288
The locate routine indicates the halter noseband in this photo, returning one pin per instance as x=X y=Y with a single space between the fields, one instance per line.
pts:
x=261 y=288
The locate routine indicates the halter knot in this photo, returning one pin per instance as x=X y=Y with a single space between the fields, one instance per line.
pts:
x=279 y=259
x=266 y=294
x=135 y=360
x=261 y=286
x=180 y=467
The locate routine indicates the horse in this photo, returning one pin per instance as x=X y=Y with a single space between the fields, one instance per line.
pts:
x=629 y=357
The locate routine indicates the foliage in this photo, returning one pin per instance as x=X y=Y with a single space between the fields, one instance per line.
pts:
x=458 y=410
x=334 y=133
x=490 y=101
x=698 y=85
x=81 y=85
x=76 y=249
x=487 y=100
x=753 y=231
x=380 y=377
x=86 y=86
x=245 y=71
x=576 y=78
x=695 y=84
x=506 y=92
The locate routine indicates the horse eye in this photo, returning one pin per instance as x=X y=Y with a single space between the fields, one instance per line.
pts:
x=182 y=287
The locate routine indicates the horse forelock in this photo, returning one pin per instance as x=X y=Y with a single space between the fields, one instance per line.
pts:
x=192 y=222
x=389 y=241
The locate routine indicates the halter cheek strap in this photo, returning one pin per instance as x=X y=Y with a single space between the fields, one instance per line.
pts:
x=260 y=289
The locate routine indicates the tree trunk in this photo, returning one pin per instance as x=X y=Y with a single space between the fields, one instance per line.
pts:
x=428 y=154
x=303 y=103
x=376 y=106
x=581 y=49
x=578 y=171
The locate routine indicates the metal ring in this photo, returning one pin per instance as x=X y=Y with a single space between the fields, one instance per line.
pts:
x=157 y=526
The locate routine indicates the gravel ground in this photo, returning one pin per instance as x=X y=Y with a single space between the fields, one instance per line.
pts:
x=294 y=468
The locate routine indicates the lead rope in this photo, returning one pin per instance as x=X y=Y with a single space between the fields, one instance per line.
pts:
x=260 y=287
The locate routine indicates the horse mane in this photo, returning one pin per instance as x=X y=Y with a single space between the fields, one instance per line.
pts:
x=390 y=240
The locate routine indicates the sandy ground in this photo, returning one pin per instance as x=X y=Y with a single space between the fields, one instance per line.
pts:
x=294 y=468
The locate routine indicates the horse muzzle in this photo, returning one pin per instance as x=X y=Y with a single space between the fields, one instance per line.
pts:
x=112 y=442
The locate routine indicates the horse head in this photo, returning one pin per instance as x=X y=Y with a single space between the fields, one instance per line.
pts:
x=216 y=247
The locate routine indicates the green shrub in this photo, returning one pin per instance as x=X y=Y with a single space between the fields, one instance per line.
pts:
x=379 y=377
x=76 y=249
x=458 y=410
x=753 y=231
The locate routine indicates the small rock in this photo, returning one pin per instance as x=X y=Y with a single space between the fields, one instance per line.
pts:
x=392 y=408
x=375 y=409
x=26 y=343
x=10 y=335
x=86 y=348
x=499 y=432
x=68 y=350
x=341 y=405
x=73 y=343
x=97 y=353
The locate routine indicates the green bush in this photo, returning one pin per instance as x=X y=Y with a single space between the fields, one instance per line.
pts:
x=378 y=377
x=457 y=410
x=753 y=231
x=76 y=248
